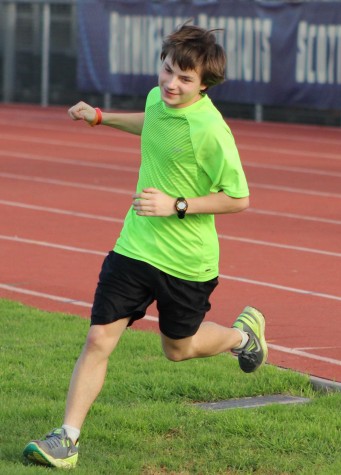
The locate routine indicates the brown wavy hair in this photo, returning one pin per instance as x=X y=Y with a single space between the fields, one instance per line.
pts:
x=192 y=47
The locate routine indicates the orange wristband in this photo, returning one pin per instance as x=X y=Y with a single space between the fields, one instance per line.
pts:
x=98 y=118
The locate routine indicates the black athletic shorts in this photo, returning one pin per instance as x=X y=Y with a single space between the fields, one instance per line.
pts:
x=127 y=287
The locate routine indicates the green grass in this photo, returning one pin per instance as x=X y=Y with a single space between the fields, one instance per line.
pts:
x=144 y=421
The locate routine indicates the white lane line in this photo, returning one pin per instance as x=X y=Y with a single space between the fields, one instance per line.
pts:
x=289 y=189
x=291 y=152
x=312 y=293
x=73 y=144
x=221 y=276
x=309 y=171
x=69 y=161
x=288 y=137
x=108 y=166
x=70 y=131
x=280 y=214
x=71 y=184
x=280 y=246
x=80 y=303
x=51 y=245
x=98 y=146
x=316 y=348
x=56 y=298
x=17 y=204
x=61 y=211
x=272 y=128
x=33 y=293
x=119 y=220
x=50 y=181
x=304 y=354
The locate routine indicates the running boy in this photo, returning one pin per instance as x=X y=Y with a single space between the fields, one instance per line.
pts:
x=168 y=248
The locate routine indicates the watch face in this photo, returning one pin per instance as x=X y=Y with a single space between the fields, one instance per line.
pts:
x=181 y=205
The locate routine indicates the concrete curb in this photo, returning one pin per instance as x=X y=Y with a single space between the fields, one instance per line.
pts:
x=325 y=385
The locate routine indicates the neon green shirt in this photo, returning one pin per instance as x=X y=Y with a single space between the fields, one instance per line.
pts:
x=187 y=152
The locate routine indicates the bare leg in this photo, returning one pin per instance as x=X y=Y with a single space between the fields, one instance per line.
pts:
x=211 y=339
x=90 y=370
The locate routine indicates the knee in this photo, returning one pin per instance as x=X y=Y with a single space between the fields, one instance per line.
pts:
x=175 y=354
x=96 y=339
x=177 y=350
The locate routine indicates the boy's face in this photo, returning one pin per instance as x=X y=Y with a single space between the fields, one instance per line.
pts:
x=179 y=88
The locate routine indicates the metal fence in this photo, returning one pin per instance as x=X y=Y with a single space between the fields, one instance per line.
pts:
x=38 y=50
x=38 y=64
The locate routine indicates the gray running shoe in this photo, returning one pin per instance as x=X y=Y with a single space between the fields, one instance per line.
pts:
x=255 y=353
x=56 y=450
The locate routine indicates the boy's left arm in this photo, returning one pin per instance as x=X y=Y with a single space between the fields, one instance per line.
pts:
x=217 y=203
x=153 y=202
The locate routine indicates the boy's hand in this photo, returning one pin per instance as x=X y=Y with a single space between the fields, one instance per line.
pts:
x=82 y=111
x=153 y=202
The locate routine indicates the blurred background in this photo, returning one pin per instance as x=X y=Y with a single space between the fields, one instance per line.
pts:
x=44 y=50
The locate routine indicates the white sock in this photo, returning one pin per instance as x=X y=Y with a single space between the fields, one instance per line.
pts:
x=72 y=432
x=245 y=339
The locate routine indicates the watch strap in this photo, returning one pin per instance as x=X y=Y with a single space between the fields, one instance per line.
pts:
x=181 y=207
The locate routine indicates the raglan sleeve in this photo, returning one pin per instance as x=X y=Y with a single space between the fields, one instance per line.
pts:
x=218 y=157
x=153 y=97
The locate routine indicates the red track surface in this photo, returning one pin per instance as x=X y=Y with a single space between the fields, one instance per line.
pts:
x=65 y=188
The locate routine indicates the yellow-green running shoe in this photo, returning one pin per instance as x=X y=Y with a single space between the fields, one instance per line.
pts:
x=255 y=352
x=56 y=450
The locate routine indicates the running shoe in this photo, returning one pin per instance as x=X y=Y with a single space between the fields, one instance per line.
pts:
x=255 y=352
x=56 y=450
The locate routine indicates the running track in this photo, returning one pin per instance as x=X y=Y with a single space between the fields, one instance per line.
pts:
x=65 y=188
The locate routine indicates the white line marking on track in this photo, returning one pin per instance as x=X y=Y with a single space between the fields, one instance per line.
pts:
x=221 y=276
x=304 y=354
x=69 y=161
x=281 y=246
x=279 y=214
x=81 y=303
x=52 y=245
x=293 y=216
x=289 y=189
x=107 y=166
x=72 y=184
x=73 y=144
x=235 y=124
x=288 y=137
x=77 y=130
x=119 y=220
x=292 y=152
x=281 y=287
x=33 y=293
x=312 y=348
x=309 y=171
x=98 y=146
x=61 y=211
x=51 y=181
x=56 y=298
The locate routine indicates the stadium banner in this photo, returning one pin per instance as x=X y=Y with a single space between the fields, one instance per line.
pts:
x=283 y=54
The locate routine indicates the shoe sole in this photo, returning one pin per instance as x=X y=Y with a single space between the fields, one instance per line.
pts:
x=33 y=453
x=261 y=338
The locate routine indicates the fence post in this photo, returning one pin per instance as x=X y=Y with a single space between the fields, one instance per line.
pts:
x=258 y=112
x=9 y=51
x=45 y=55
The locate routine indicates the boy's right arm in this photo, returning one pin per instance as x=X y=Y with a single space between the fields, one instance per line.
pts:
x=131 y=122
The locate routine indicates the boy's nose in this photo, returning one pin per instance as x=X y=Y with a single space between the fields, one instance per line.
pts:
x=172 y=82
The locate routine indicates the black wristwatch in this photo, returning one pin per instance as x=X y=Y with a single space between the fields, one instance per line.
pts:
x=181 y=207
